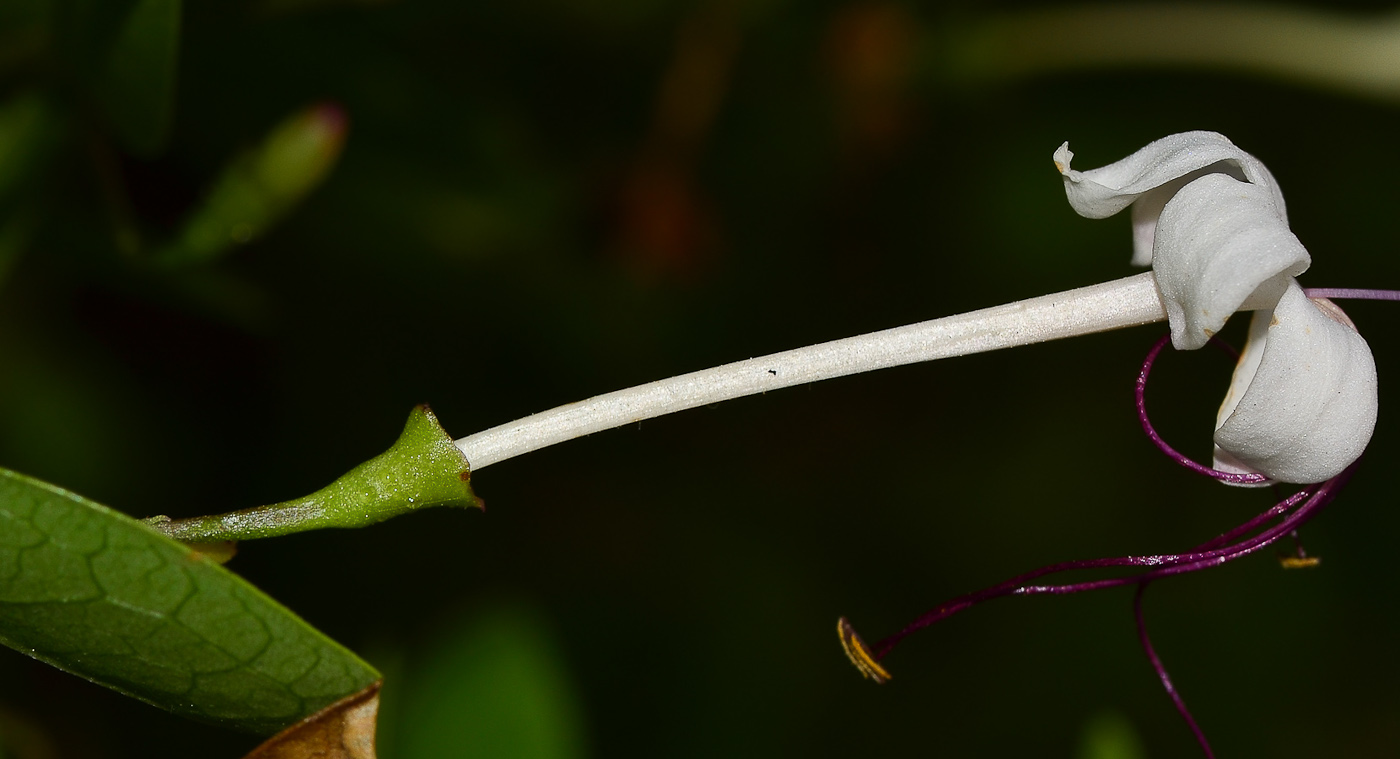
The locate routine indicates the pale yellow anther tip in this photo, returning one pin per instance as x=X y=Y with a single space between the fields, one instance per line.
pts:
x=859 y=653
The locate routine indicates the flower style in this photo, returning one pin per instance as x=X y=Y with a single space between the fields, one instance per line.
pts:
x=1302 y=403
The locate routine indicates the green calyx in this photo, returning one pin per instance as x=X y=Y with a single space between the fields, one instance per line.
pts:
x=424 y=468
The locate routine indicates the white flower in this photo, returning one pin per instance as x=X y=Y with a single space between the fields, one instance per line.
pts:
x=1210 y=220
x=1302 y=404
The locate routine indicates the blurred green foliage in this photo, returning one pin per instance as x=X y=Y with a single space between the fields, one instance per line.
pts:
x=492 y=684
x=138 y=85
x=260 y=186
x=1109 y=735
x=534 y=202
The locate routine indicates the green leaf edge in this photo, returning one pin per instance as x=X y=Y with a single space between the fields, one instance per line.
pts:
x=333 y=673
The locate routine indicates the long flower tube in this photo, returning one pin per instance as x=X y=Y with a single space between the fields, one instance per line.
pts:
x=1127 y=302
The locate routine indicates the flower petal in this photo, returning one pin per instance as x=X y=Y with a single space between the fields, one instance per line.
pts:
x=1150 y=177
x=1302 y=404
x=1219 y=241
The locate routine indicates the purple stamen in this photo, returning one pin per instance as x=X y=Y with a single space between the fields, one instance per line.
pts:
x=1291 y=513
x=1298 y=552
x=1139 y=394
x=1253 y=524
x=1344 y=293
x=1163 y=676
x=1313 y=498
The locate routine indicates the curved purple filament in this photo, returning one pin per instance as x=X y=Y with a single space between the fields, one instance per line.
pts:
x=1242 y=540
x=1162 y=675
x=1140 y=395
x=1313 y=498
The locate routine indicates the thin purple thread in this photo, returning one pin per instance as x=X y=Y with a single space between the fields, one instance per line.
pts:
x=1140 y=396
x=1298 y=551
x=1275 y=511
x=1345 y=293
x=1313 y=498
x=1206 y=555
x=1163 y=676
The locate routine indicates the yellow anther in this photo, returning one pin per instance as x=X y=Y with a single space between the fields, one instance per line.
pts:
x=859 y=653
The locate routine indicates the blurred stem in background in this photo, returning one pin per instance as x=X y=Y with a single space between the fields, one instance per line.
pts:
x=1346 y=52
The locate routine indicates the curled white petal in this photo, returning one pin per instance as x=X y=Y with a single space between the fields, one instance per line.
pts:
x=1302 y=404
x=1147 y=179
x=1218 y=242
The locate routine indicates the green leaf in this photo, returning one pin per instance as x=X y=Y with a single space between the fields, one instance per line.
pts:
x=139 y=86
x=108 y=598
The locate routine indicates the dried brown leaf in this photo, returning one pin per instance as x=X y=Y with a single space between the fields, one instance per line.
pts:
x=343 y=730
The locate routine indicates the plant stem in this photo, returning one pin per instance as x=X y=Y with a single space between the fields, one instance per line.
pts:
x=423 y=469
x=1126 y=302
x=1356 y=53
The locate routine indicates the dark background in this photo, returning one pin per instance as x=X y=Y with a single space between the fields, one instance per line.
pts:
x=539 y=201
